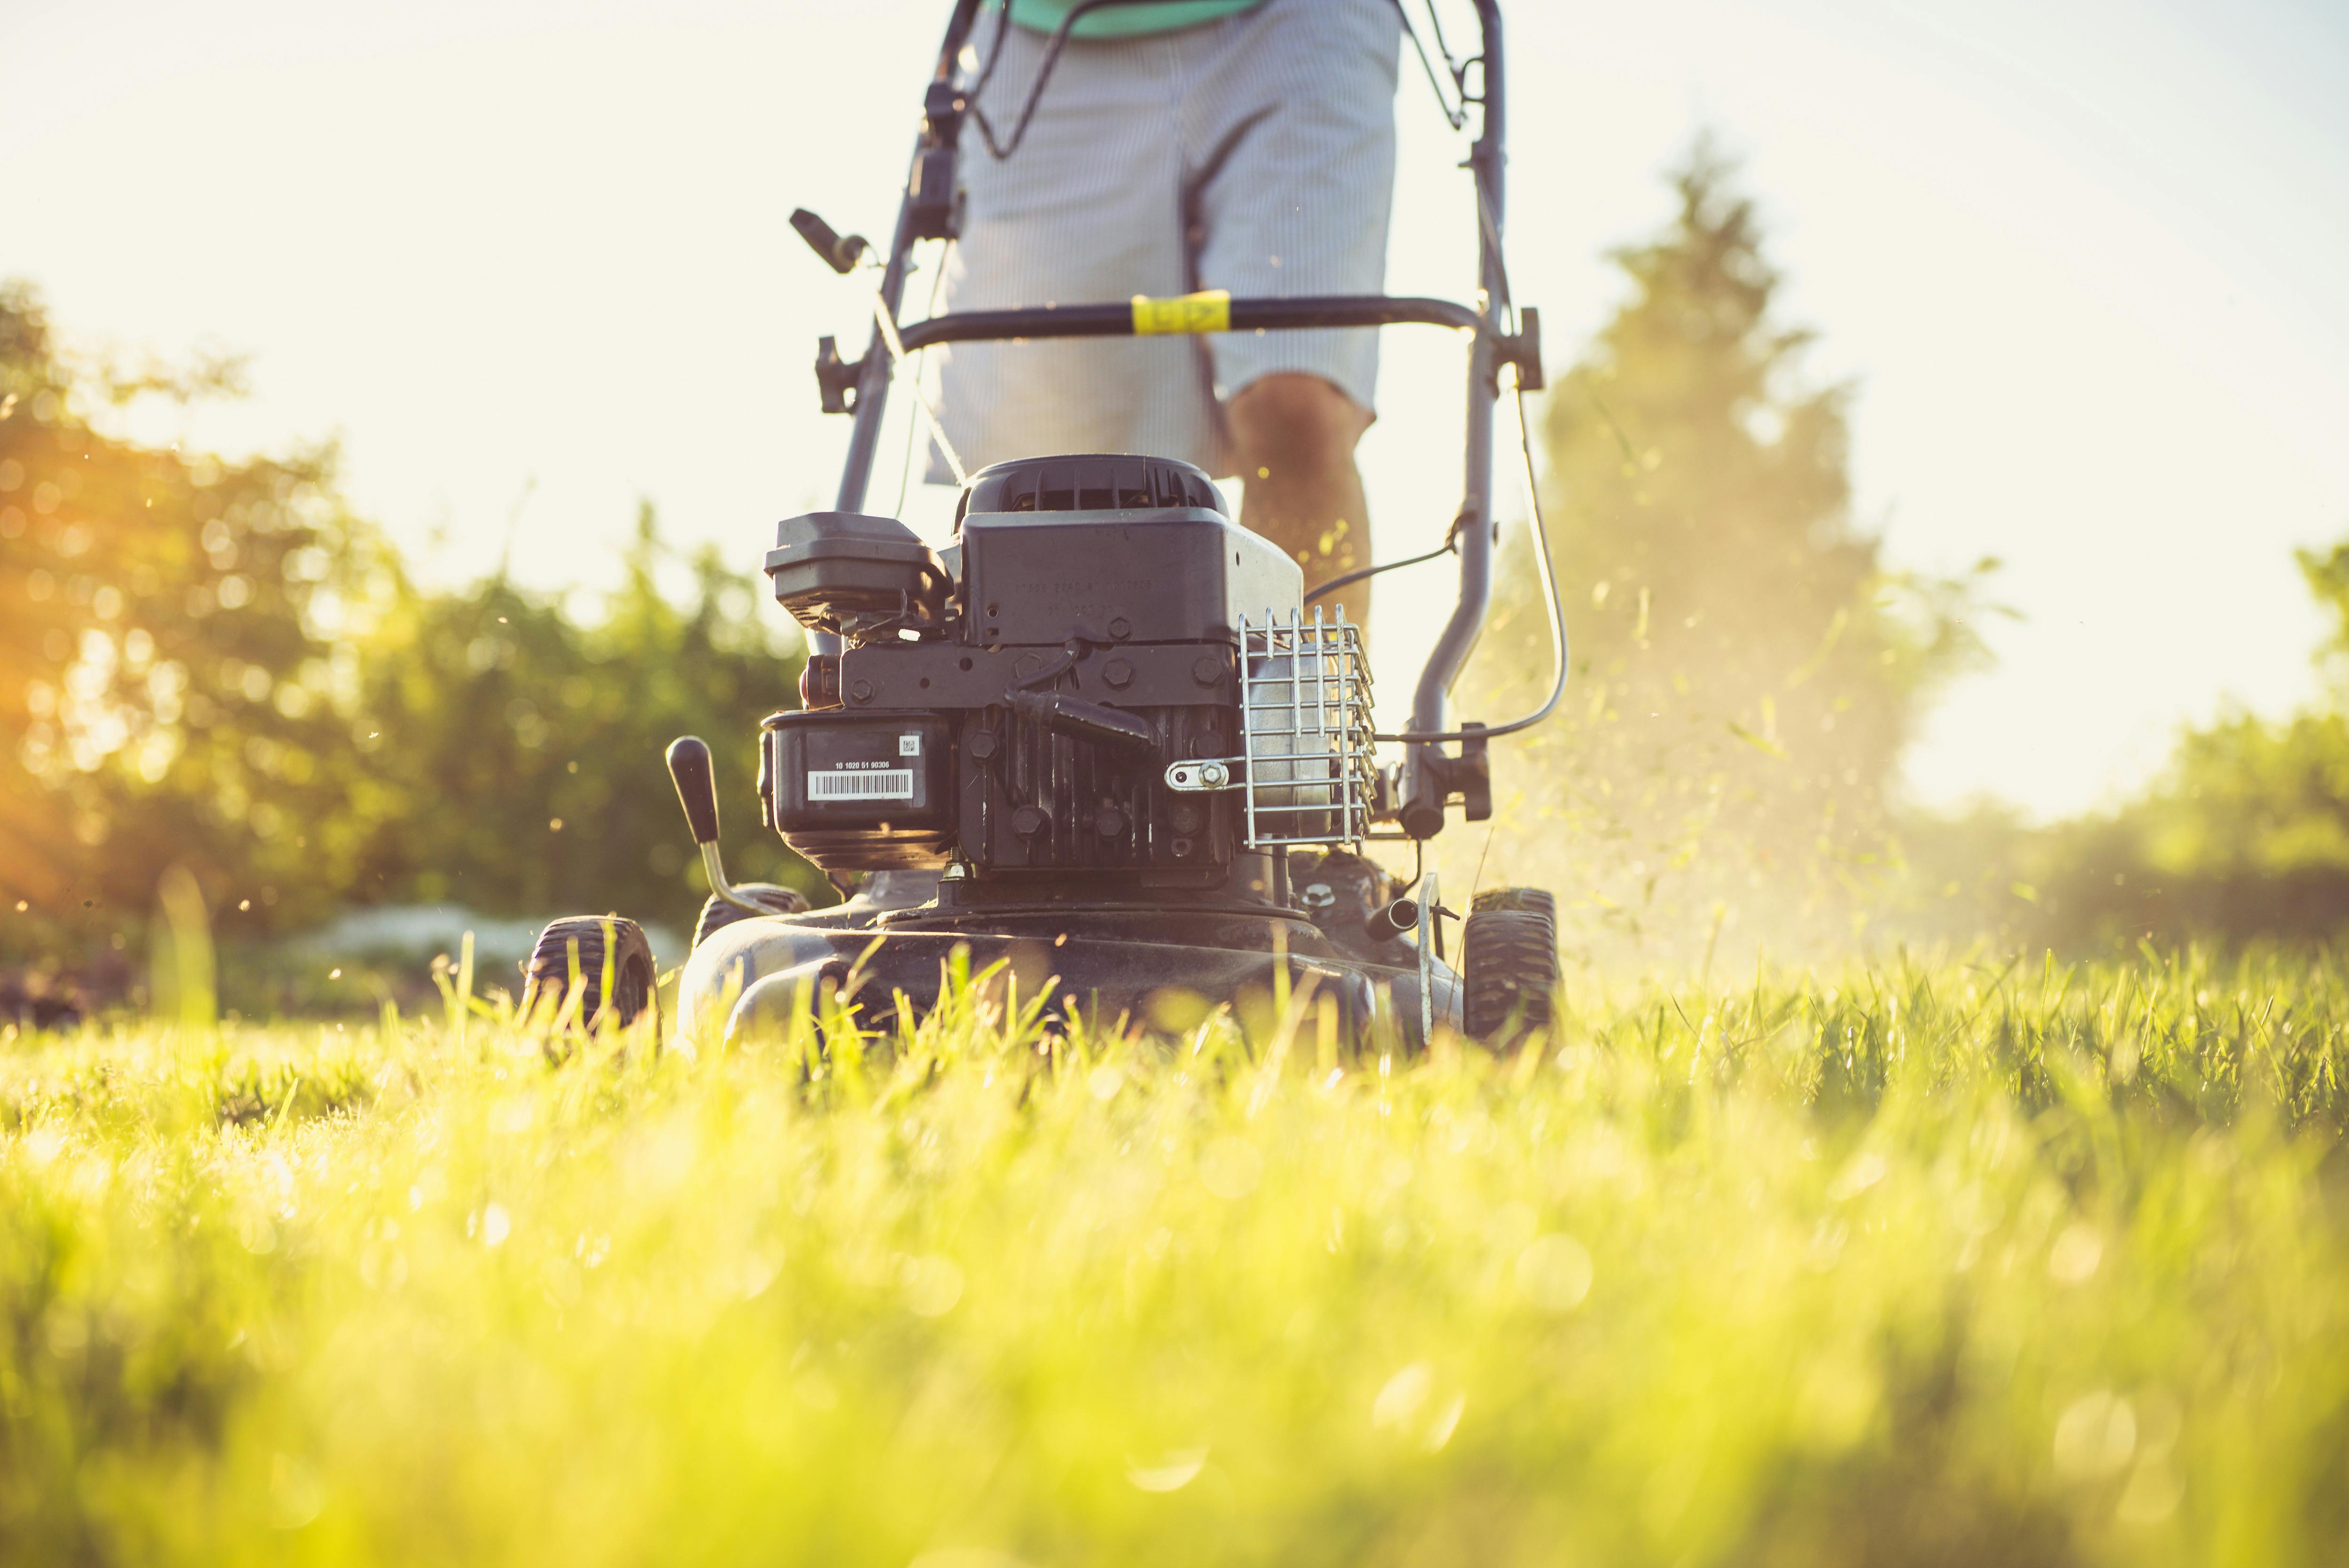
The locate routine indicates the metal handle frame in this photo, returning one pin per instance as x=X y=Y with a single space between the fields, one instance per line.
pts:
x=1421 y=796
x=1245 y=315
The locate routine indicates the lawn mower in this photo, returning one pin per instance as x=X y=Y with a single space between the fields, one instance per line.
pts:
x=1102 y=746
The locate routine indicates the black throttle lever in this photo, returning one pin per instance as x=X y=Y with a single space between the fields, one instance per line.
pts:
x=840 y=252
x=696 y=791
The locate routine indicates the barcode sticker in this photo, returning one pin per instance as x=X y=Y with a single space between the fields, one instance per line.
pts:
x=882 y=784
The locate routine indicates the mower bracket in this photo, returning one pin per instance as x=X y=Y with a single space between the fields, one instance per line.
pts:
x=1206 y=773
x=835 y=377
x=1466 y=780
x=1521 y=349
x=933 y=203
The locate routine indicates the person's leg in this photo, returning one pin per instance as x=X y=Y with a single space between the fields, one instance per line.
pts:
x=1289 y=148
x=1295 y=436
x=1087 y=211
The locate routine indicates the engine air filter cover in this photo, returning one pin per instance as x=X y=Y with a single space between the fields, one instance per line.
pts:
x=849 y=573
x=1090 y=481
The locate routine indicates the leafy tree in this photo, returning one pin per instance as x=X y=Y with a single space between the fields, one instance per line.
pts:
x=1747 y=669
x=2244 y=836
x=216 y=666
x=169 y=675
x=516 y=751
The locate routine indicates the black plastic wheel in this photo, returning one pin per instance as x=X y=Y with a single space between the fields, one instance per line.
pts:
x=717 y=914
x=1508 y=961
x=1525 y=899
x=631 y=958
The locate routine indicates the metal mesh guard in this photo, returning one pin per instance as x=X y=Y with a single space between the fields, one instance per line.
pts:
x=1305 y=730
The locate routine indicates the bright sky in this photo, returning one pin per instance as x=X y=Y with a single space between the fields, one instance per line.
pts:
x=529 y=260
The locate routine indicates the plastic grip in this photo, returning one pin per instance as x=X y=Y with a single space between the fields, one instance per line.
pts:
x=696 y=787
x=1207 y=311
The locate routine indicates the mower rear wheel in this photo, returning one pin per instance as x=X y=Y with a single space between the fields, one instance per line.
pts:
x=1526 y=900
x=630 y=960
x=1509 y=972
x=718 y=913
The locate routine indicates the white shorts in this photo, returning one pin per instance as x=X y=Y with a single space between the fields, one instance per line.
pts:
x=1254 y=154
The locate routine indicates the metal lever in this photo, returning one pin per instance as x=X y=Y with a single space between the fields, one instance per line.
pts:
x=840 y=253
x=1430 y=933
x=696 y=791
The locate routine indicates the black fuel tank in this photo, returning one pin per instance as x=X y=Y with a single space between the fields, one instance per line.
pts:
x=862 y=791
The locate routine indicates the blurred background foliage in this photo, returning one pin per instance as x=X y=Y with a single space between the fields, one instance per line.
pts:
x=1747 y=670
x=2245 y=834
x=215 y=664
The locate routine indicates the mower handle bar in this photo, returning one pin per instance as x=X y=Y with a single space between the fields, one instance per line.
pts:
x=1233 y=316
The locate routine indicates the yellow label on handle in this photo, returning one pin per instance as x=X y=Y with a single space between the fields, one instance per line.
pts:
x=1207 y=311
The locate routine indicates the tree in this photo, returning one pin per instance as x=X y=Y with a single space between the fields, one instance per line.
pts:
x=2245 y=835
x=169 y=673
x=1747 y=669
x=516 y=751
x=217 y=666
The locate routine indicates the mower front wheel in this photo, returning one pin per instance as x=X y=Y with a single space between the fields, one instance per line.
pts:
x=1509 y=973
x=629 y=961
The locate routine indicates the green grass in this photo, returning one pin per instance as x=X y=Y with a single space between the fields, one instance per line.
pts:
x=1915 y=1265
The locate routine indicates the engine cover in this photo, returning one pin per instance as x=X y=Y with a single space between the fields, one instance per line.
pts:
x=1178 y=577
x=1082 y=652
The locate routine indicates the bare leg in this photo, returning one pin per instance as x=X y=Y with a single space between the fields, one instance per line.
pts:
x=1295 y=435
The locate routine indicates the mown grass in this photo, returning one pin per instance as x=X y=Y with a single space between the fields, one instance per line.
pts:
x=1917 y=1263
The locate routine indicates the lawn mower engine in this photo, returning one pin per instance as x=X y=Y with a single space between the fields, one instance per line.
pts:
x=1097 y=724
x=1099 y=739
x=1053 y=708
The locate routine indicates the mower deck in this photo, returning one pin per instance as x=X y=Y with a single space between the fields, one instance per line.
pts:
x=1143 y=962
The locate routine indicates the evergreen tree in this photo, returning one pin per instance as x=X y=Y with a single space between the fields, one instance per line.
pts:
x=1746 y=671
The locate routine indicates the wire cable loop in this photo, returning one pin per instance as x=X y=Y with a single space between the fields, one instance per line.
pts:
x=1550 y=606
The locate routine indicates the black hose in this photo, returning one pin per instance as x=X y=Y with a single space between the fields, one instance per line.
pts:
x=1455 y=115
x=1043 y=74
x=1347 y=579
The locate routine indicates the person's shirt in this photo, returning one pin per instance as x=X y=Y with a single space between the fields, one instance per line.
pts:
x=1125 y=21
